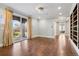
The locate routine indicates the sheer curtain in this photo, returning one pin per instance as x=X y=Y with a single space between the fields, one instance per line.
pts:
x=7 y=35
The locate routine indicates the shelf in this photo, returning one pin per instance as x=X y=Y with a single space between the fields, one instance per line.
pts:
x=75 y=16
x=74 y=21
x=74 y=11
x=75 y=30
x=75 y=42
x=74 y=39
x=75 y=35
x=75 y=26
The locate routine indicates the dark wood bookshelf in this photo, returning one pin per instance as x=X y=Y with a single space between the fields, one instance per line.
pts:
x=74 y=25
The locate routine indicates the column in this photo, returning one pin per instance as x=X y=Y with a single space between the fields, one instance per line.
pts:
x=29 y=29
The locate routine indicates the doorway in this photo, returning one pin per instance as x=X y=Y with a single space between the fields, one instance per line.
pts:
x=62 y=27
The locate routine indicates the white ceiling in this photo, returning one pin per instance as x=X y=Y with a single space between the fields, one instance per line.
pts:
x=50 y=9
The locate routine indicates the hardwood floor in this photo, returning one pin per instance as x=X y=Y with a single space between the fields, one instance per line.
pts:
x=59 y=46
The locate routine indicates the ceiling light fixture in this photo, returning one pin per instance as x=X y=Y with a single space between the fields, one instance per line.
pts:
x=39 y=8
x=59 y=8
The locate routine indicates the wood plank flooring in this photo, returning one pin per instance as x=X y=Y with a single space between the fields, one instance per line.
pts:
x=59 y=46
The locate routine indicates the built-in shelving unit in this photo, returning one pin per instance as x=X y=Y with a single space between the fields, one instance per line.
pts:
x=74 y=25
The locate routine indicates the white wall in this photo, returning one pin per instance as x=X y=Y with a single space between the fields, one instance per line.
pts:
x=57 y=28
x=43 y=27
x=67 y=26
x=35 y=26
x=1 y=26
x=46 y=27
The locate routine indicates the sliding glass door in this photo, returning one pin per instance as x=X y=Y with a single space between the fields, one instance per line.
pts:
x=19 y=28
x=24 y=28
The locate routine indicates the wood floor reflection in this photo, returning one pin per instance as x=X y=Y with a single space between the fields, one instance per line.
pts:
x=59 y=46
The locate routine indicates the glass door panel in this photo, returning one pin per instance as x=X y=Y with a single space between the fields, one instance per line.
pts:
x=16 y=29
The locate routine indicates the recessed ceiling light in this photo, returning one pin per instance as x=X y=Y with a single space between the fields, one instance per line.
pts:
x=60 y=13
x=59 y=8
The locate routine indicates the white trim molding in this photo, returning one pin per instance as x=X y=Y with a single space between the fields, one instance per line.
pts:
x=34 y=36
x=46 y=36
x=43 y=36
x=74 y=46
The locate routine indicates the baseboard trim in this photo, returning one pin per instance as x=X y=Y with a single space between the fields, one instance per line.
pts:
x=42 y=36
x=35 y=36
x=46 y=36
x=74 y=46
x=1 y=45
